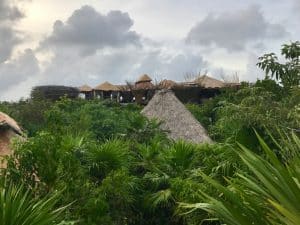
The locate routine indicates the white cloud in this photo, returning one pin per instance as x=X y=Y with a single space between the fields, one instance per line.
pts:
x=9 y=37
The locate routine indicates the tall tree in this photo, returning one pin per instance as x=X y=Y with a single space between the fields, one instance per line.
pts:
x=288 y=73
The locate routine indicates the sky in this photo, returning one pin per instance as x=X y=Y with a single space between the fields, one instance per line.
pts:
x=76 y=42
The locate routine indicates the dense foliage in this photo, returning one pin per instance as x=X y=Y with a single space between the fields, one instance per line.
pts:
x=110 y=165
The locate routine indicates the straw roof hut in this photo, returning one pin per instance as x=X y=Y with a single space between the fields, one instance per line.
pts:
x=86 y=91
x=144 y=78
x=209 y=82
x=167 y=84
x=175 y=118
x=8 y=129
x=106 y=86
x=144 y=83
x=85 y=88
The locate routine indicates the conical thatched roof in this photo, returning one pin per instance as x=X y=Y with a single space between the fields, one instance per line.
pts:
x=9 y=123
x=106 y=86
x=85 y=88
x=144 y=78
x=209 y=82
x=181 y=124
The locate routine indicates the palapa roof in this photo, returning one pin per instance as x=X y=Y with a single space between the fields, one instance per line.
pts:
x=167 y=84
x=106 y=86
x=209 y=82
x=9 y=123
x=144 y=78
x=175 y=118
x=85 y=88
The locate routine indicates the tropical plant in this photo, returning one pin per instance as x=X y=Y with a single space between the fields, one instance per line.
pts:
x=111 y=155
x=269 y=194
x=288 y=74
x=20 y=207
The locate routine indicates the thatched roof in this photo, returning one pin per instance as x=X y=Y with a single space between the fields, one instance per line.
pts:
x=9 y=123
x=209 y=82
x=144 y=78
x=106 y=86
x=85 y=88
x=175 y=118
x=167 y=84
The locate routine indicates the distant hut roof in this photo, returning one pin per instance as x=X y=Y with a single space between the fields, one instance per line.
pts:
x=7 y=122
x=209 y=82
x=144 y=78
x=180 y=123
x=106 y=86
x=85 y=88
x=167 y=84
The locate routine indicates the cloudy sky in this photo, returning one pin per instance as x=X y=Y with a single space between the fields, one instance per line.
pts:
x=75 y=42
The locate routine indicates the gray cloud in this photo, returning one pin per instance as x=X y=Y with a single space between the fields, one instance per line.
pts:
x=91 y=30
x=297 y=6
x=234 y=30
x=18 y=70
x=9 y=12
x=9 y=37
x=174 y=67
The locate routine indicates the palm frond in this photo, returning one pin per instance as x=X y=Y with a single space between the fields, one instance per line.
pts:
x=17 y=206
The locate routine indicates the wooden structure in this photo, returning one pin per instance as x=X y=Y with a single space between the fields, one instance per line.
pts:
x=125 y=93
x=144 y=82
x=143 y=89
x=87 y=91
x=106 y=90
x=196 y=91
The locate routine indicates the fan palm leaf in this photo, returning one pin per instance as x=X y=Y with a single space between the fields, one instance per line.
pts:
x=18 y=207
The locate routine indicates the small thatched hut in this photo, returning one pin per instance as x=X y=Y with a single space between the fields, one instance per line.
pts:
x=87 y=91
x=8 y=129
x=125 y=93
x=175 y=118
x=106 y=90
x=143 y=89
x=144 y=82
